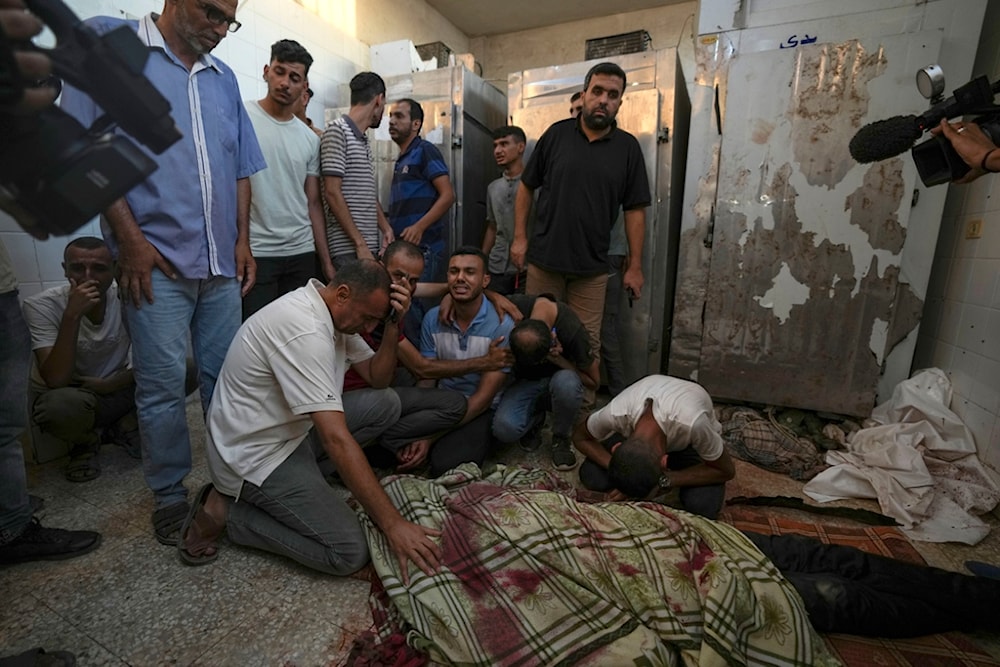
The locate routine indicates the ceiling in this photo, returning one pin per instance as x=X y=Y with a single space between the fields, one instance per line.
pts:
x=490 y=17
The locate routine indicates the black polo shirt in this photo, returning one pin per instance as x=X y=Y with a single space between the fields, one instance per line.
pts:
x=581 y=186
x=572 y=335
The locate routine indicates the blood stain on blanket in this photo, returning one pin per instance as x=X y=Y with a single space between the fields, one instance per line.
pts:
x=702 y=555
x=524 y=580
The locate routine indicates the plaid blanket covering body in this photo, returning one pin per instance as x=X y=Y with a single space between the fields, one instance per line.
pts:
x=531 y=576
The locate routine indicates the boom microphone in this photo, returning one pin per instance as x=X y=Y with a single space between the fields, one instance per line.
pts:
x=884 y=139
x=888 y=138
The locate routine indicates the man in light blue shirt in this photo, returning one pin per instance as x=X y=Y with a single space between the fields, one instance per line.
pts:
x=473 y=327
x=182 y=236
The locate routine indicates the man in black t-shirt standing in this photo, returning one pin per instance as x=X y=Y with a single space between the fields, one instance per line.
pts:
x=553 y=363
x=587 y=168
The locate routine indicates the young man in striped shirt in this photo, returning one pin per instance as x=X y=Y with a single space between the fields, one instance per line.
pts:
x=356 y=227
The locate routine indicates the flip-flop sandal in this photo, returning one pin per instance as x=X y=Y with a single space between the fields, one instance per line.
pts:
x=167 y=522
x=83 y=468
x=190 y=520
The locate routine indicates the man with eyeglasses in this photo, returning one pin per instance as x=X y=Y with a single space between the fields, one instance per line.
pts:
x=181 y=237
x=279 y=407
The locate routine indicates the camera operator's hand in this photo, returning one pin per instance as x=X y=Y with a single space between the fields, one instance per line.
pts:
x=17 y=27
x=974 y=147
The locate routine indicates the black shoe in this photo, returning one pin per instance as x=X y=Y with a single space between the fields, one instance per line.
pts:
x=38 y=657
x=563 y=456
x=40 y=543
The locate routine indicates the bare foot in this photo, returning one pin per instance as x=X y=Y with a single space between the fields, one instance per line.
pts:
x=207 y=527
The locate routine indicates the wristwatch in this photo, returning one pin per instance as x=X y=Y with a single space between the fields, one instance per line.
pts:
x=664 y=482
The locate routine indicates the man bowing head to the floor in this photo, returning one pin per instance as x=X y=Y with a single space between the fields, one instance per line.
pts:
x=672 y=439
x=278 y=408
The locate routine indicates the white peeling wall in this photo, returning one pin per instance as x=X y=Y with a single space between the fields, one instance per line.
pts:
x=791 y=210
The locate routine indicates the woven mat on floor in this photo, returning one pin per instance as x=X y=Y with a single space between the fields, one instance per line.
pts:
x=952 y=649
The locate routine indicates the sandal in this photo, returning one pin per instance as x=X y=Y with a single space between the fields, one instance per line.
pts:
x=125 y=434
x=199 y=549
x=167 y=522
x=83 y=467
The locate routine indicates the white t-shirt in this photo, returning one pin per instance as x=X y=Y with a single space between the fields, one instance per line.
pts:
x=285 y=362
x=279 y=211
x=101 y=349
x=682 y=409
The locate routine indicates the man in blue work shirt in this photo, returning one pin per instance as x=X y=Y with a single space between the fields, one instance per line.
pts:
x=473 y=327
x=421 y=188
x=181 y=237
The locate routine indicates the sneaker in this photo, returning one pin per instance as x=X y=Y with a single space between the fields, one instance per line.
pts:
x=532 y=440
x=40 y=543
x=563 y=456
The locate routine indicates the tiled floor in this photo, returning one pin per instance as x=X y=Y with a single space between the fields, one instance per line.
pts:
x=132 y=602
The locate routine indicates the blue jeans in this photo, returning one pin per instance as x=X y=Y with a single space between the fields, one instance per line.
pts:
x=15 y=361
x=524 y=403
x=295 y=513
x=435 y=263
x=209 y=312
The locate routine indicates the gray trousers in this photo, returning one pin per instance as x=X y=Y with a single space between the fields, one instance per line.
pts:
x=295 y=512
x=424 y=411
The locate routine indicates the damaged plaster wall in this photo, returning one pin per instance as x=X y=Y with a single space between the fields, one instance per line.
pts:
x=805 y=246
x=785 y=293
x=830 y=94
x=887 y=242
x=765 y=337
x=707 y=79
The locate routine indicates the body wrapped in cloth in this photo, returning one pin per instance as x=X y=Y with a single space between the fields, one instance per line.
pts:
x=530 y=576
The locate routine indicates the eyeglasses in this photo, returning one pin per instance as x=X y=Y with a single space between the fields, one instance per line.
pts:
x=216 y=17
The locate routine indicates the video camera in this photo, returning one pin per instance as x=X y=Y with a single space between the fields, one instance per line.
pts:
x=936 y=160
x=55 y=175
